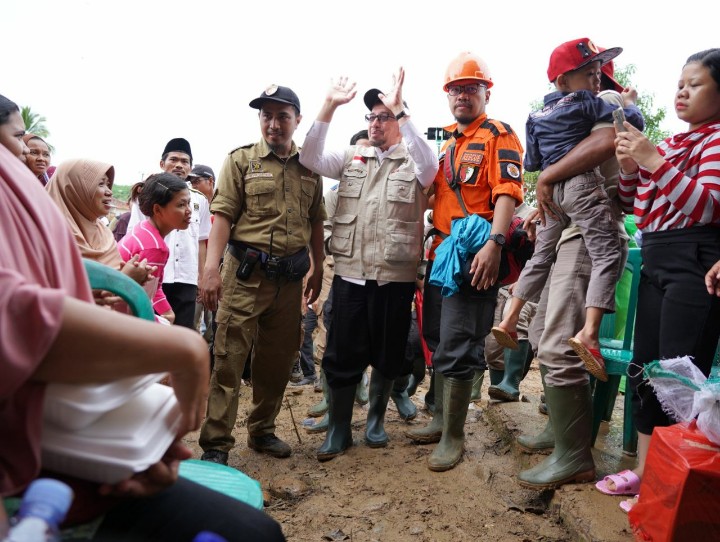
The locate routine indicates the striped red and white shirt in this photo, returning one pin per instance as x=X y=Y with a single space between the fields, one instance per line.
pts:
x=684 y=191
x=146 y=241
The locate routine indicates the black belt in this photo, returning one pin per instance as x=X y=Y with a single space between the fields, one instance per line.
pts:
x=238 y=250
x=293 y=267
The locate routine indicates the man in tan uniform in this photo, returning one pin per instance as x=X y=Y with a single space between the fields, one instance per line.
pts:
x=268 y=210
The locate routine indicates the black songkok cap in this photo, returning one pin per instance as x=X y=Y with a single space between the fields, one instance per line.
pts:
x=178 y=144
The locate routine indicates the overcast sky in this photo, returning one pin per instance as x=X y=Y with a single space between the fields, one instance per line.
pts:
x=117 y=80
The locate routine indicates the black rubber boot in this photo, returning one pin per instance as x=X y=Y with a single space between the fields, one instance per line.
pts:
x=509 y=389
x=571 y=461
x=379 y=394
x=405 y=407
x=449 y=451
x=430 y=395
x=432 y=432
x=545 y=441
x=339 y=433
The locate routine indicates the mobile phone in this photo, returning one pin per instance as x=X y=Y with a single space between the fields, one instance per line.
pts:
x=247 y=264
x=618 y=119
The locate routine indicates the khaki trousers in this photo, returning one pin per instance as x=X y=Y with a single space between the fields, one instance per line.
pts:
x=260 y=314
x=562 y=305
x=494 y=352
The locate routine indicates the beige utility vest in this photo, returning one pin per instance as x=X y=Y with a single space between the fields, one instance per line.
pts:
x=377 y=228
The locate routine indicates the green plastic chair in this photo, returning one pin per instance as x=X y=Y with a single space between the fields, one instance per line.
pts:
x=106 y=278
x=618 y=354
x=223 y=479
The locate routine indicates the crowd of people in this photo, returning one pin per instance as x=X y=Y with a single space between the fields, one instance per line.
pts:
x=251 y=251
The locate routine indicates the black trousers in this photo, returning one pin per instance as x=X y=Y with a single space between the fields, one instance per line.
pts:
x=455 y=328
x=369 y=326
x=675 y=314
x=181 y=297
x=179 y=513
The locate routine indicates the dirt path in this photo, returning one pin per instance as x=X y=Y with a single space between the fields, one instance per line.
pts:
x=388 y=494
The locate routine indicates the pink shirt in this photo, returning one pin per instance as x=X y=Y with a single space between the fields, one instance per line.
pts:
x=39 y=266
x=146 y=241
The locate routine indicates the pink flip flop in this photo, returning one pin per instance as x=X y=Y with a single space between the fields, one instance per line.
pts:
x=628 y=504
x=591 y=357
x=506 y=339
x=626 y=483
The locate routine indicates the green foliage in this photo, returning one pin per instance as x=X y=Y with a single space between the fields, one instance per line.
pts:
x=653 y=117
x=645 y=102
x=121 y=191
x=529 y=182
x=35 y=124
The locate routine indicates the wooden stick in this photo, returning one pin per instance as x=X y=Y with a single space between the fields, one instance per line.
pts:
x=292 y=417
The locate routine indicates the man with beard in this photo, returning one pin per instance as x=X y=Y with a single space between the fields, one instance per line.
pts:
x=376 y=244
x=268 y=209
x=480 y=174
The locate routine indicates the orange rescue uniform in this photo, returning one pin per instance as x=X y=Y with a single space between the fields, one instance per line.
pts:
x=486 y=162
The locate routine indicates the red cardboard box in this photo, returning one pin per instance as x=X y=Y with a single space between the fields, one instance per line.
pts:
x=680 y=490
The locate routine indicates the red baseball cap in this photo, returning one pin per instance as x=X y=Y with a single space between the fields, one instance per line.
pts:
x=608 y=70
x=575 y=54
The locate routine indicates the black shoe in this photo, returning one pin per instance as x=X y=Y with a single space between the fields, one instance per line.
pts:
x=296 y=374
x=306 y=381
x=215 y=456
x=269 y=444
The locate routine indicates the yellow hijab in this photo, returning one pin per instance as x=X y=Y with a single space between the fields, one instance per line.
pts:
x=72 y=187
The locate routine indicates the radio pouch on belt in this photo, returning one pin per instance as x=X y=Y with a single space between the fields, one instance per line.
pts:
x=247 y=263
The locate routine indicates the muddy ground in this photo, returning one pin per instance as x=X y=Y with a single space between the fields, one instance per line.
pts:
x=389 y=494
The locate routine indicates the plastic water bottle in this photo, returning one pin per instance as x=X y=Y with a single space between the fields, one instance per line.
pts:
x=207 y=536
x=43 y=508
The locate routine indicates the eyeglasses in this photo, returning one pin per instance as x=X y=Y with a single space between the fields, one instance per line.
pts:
x=382 y=117
x=456 y=90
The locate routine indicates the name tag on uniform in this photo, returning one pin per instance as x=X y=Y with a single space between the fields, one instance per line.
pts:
x=256 y=175
x=472 y=158
x=306 y=178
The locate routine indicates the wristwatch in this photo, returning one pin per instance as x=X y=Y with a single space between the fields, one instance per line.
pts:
x=499 y=238
x=404 y=113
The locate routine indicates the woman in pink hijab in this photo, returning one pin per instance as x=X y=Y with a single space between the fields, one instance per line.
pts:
x=82 y=190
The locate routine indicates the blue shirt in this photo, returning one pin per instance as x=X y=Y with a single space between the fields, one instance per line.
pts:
x=564 y=121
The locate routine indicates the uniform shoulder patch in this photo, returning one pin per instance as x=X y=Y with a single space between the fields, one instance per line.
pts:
x=509 y=154
x=241 y=147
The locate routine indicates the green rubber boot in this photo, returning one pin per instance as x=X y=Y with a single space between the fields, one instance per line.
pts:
x=361 y=393
x=545 y=441
x=319 y=427
x=508 y=390
x=321 y=408
x=496 y=376
x=405 y=407
x=571 y=461
x=432 y=432
x=339 y=433
x=477 y=386
x=449 y=451
x=380 y=388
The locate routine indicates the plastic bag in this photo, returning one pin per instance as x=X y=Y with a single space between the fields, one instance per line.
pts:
x=680 y=487
x=685 y=394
